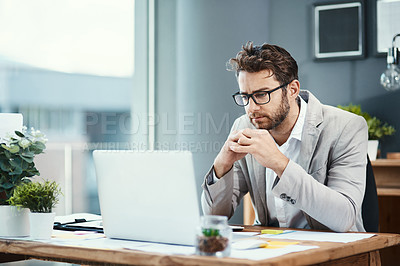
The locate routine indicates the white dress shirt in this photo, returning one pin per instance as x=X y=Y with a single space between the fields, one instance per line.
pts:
x=281 y=213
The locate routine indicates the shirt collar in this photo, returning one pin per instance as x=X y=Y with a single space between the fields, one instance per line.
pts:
x=298 y=127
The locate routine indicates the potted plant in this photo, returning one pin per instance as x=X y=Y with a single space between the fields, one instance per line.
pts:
x=40 y=198
x=17 y=153
x=376 y=128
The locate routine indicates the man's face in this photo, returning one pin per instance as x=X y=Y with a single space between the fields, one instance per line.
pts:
x=270 y=115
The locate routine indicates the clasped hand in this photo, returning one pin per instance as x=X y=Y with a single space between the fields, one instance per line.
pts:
x=257 y=142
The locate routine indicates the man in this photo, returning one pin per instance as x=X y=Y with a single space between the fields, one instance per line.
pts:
x=303 y=163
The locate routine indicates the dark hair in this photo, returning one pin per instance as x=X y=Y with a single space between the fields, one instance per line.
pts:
x=253 y=59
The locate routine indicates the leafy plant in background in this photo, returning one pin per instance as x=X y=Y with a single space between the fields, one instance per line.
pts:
x=16 y=160
x=36 y=196
x=376 y=128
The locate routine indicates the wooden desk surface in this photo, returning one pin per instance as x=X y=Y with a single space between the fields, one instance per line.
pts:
x=386 y=162
x=362 y=252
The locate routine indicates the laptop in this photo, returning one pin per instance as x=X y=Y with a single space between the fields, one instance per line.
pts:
x=148 y=195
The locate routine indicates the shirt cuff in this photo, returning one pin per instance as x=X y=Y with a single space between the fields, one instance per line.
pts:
x=212 y=179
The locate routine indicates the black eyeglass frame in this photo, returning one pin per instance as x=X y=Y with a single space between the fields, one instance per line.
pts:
x=251 y=95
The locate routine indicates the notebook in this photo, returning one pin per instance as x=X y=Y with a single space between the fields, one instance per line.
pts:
x=148 y=195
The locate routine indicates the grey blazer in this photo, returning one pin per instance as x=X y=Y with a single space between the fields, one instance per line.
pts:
x=327 y=184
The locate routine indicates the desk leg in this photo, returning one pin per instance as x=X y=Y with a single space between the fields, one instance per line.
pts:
x=375 y=258
x=389 y=222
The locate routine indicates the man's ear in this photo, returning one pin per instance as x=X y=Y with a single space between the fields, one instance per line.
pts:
x=294 y=88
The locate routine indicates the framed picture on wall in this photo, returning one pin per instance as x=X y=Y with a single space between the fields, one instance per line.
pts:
x=339 y=30
x=387 y=24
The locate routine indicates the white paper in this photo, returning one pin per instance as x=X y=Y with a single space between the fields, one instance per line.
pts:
x=249 y=243
x=64 y=237
x=107 y=243
x=73 y=238
x=320 y=236
x=96 y=240
x=240 y=235
x=166 y=249
x=265 y=253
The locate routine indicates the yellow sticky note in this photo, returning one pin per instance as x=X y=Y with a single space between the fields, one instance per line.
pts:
x=277 y=244
x=271 y=232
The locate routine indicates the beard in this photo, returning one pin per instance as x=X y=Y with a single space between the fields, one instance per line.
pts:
x=272 y=121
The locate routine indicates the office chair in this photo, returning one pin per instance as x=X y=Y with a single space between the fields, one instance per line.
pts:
x=370 y=206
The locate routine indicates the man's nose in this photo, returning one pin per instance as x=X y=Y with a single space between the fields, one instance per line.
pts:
x=252 y=106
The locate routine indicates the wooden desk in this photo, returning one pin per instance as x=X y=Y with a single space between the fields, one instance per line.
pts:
x=362 y=252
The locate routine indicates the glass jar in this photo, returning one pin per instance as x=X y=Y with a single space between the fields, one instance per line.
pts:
x=213 y=236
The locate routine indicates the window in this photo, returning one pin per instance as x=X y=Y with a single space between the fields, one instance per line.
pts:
x=73 y=36
x=68 y=67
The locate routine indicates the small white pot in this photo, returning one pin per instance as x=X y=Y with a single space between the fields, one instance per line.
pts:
x=373 y=149
x=41 y=224
x=14 y=222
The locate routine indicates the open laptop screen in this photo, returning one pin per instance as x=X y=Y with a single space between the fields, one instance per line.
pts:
x=148 y=195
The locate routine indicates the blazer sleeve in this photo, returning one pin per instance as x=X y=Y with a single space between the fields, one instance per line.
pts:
x=222 y=197
x=336 y=202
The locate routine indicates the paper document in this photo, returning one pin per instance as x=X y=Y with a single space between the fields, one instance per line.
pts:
x=164 y=248
x=319 y=236
x=70 y=237
x=241 y=235
x=264 y=253
x=251 y=243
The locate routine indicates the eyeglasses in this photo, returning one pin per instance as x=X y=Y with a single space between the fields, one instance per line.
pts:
x=259 y=97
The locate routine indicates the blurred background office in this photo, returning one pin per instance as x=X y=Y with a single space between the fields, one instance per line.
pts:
x=151 y=74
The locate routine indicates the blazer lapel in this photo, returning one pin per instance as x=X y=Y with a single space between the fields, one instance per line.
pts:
x=311 y=131
x=308 y=145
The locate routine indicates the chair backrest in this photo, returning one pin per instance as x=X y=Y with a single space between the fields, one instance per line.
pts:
x=370 y=206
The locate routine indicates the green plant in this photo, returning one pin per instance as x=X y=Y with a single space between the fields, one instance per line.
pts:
x=210 y=232
x=36 y=196
x=16 y=160
x=376 y=128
